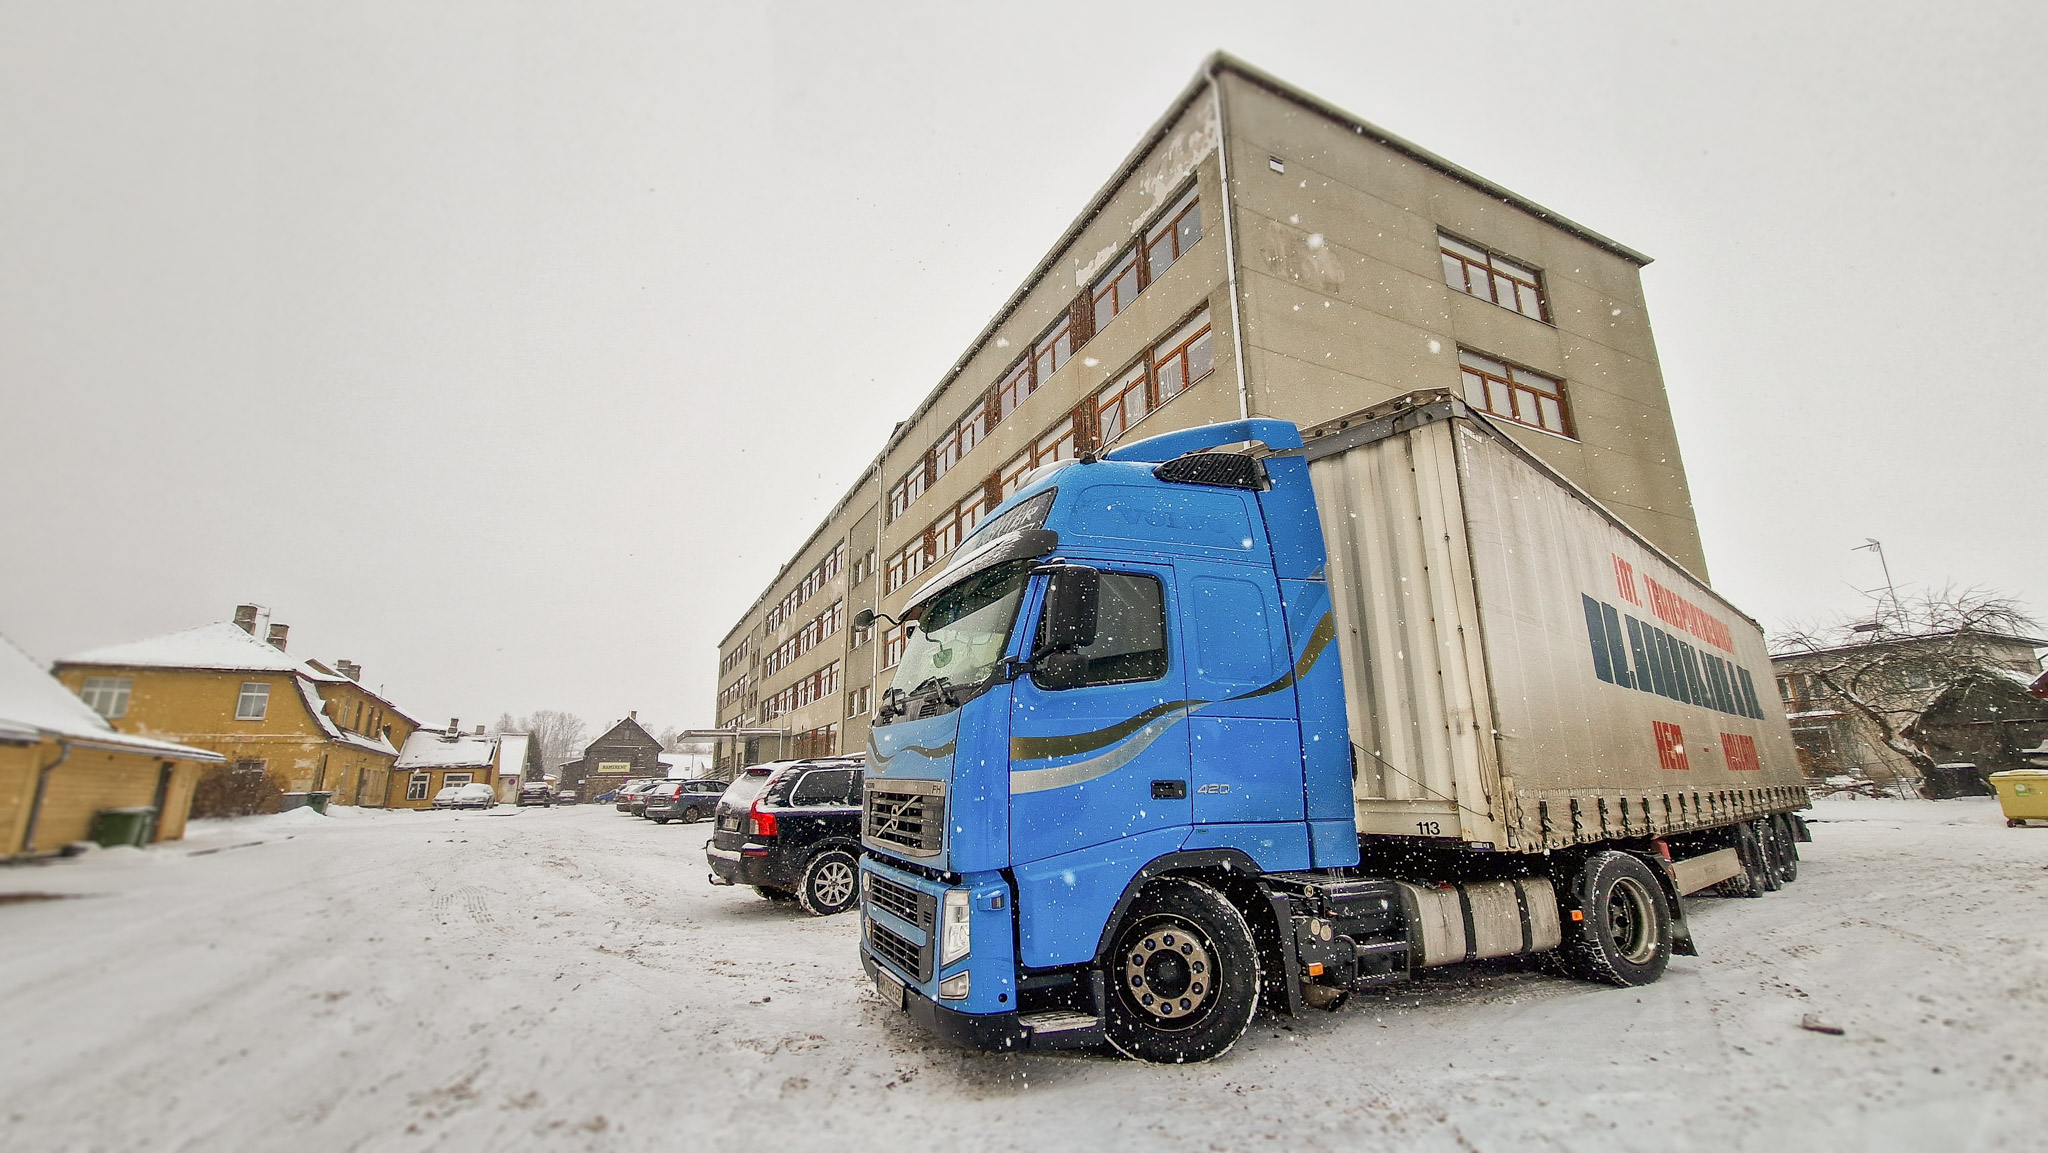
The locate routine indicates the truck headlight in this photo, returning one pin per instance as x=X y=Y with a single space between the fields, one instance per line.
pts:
x=954 y=934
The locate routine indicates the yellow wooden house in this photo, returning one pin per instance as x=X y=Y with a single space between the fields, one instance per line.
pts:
x=61 y=763
x=434 y=759
x=303 y=725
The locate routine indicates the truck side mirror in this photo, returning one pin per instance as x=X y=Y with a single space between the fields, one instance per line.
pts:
x=1070 y=606
x=864 y=620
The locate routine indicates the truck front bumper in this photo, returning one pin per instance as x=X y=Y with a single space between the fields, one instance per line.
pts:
x=989 y=1032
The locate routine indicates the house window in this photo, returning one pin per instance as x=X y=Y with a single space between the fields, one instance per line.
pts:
x=107 y=696
x=1477 y=272
x=453 y=779
x=1013 y=389
x=1518 y=394
x=1116 y=290
x=906 y=491
x=1183 y=358
x=254 y=703
x=960 y=441
x=894 y=640
x=416 y=788
x=1122 y=405
x=1174 y=235
x=860 y=700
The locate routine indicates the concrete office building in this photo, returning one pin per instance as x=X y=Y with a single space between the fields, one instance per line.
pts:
x=1260 y=253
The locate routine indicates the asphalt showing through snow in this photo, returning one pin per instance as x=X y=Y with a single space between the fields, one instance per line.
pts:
x=566 y=979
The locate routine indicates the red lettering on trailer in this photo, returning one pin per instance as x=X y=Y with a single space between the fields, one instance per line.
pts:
x=1625 y=581
x=1741 y=753
x=1680 y=613
x=1670 y=746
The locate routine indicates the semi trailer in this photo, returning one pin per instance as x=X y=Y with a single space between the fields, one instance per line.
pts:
x=1250 y=714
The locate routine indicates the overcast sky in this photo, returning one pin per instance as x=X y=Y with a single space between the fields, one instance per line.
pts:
x=509 y=349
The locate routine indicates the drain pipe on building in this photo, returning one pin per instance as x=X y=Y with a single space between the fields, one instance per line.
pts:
x=35 y=807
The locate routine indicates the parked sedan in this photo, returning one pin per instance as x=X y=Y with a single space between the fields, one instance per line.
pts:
x=626 y=794
x=689 y=802
x=792 y=829
x=537 y=793
x=471 y=796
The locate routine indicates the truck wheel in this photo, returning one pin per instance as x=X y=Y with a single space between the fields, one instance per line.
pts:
x=1750 y=881
x=1625 y=936
x=1788 y=848
x=1186 y=972
x=831 y=883
x=1768 y=854
x=691 y=816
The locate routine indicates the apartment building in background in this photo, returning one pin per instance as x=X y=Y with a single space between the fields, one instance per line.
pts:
x=1260 y=253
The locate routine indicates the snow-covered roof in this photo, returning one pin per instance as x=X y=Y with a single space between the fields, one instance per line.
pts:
x=512 y=754
x=34 y=705
x=220 y=645
x=434 y=749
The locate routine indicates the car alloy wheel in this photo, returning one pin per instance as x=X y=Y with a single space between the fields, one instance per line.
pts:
x=831 y=883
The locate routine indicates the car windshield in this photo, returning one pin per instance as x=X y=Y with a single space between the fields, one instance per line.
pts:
x=962 y=634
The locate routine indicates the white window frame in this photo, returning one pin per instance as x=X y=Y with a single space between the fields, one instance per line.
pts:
x=450 y=780
x=254 y=702
x=416 y=788
x=108 y=696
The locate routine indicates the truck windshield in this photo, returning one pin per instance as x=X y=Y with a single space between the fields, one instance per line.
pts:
x=962 y=634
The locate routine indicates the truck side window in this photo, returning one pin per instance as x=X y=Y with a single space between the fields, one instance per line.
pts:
x=1130 y=632
x=821 y=787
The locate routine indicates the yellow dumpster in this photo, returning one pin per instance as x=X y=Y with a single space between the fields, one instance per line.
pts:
x=2023 y=794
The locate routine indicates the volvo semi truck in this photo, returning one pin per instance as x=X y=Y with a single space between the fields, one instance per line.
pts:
x=1251 y=715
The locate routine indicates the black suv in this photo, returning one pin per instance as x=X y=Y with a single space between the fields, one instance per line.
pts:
x=792 y=829
x=689 y=802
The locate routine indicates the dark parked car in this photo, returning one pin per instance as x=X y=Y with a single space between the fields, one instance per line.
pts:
x=537 y=793
x=791 y=829
x=688 y=802
x=629 y=793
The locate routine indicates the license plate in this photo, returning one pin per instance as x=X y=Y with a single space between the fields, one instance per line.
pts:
x=890 y=989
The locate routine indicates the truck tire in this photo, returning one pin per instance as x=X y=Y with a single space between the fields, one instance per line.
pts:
x=831 y=883
x=1748 y=850
x=1624 y=937
x=1788 y=848
x=1186 y=971
x=1768 y=852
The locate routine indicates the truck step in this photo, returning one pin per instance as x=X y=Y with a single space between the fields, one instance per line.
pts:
x=1058 y=1021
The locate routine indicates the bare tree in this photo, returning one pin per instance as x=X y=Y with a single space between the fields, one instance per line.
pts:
x=1886 y=665
x=560 y=734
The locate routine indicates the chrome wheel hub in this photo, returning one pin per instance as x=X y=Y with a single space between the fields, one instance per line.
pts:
x=834 y=883
x=1167 y=970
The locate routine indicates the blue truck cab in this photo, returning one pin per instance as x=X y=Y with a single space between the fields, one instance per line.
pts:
x=1126 y=670
x=1113 y=792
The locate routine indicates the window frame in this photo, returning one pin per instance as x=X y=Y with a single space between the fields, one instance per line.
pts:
x=1489 y=263
x=112 y=692
x=1569 y=425
x=1165 y=635
x=1167 y=227
x=261 y=699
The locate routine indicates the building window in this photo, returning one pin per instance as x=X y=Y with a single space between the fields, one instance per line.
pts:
x=860 y=700
x=861 y=569
x=1173 y=236
x=904 y=566
x=894 y=640
x=1518 y=394
x=1122 y=405
x=254 y=703
x=960 y=441
x=1183 y=358
x=1012 y=390
x=905 y=492
x=1477 y=272
x=453 y=779
x=1052 y=351
x=416 y=788
x=107 y=696
x=1116 y=290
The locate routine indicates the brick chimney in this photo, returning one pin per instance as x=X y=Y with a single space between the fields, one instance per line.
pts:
x=277 y=635
x=245 y=617
x=479 y=730
x=349 y=669
x=454 y=726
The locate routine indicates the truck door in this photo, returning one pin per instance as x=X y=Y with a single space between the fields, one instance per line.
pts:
x=1105 y=756
x=1246 y=742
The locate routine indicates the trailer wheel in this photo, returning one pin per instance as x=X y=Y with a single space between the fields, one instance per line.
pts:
x=1748 y=850
x=1625 y=936
x=1788 y=848
x=1186 y=971
x=1770 y=854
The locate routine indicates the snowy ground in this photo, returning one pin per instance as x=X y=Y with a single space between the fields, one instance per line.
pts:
x=565 y=979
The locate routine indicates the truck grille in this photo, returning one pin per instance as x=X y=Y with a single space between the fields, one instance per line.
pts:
x=907 y=817
x=899 y=952
x=919 y=908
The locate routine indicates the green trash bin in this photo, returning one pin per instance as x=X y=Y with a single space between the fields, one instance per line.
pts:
x=318 y=802
x=111 y=827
